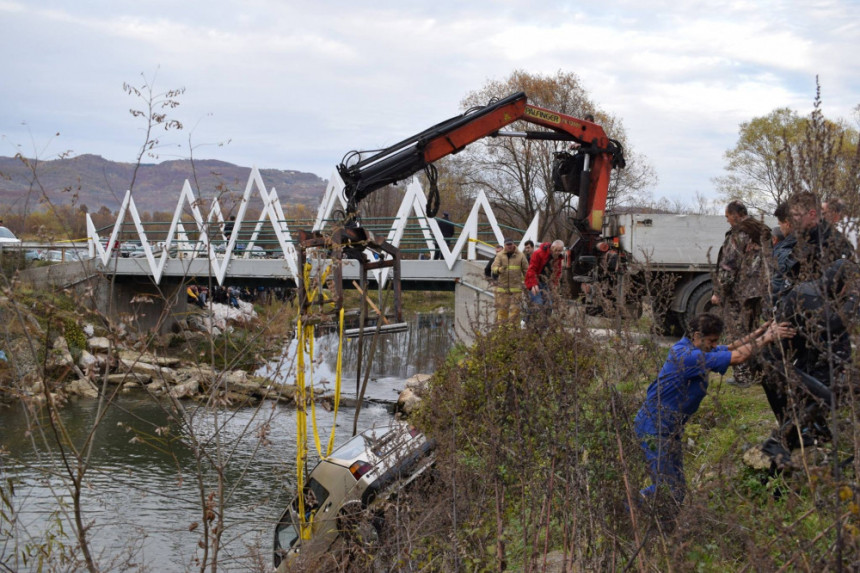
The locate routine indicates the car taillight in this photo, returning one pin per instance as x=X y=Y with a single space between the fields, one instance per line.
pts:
x=359 y=468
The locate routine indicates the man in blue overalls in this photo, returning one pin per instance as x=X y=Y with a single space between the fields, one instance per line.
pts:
x=678 y=391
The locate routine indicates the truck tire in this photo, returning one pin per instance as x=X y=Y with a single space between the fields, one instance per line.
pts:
x=699 y=301
x=671 y=324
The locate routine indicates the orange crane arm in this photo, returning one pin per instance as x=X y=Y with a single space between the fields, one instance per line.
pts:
x=397 y=162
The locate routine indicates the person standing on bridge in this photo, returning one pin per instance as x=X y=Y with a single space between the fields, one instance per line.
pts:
x=528 y=249
x=509 y=267
x=544 y=274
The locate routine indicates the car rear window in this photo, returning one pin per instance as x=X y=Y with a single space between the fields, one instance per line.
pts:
x=315 y=495
x=352 y=449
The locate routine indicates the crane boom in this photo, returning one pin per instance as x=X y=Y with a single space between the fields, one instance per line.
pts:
x=588 y=177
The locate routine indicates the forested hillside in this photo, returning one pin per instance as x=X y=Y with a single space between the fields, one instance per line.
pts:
x=95 y=182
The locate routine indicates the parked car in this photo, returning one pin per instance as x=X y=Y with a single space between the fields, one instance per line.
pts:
x=344 y=492
x=76 y=255
x=54 y=256
x=126 y=249
x=33 y=255
x=8 y=238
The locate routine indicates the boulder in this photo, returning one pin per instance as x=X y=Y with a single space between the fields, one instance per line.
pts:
x=756 y=458
x=83 y=388
x=240 y=381
x=238 y=399
x=147 y=358
x=98 y=343
x=156 y=387
x=279 y=392
x=88 y=362
x=203 y=375
x=146 y=369
x=129 y=376
x=185 y=390
x=407 y=402
x=59 y=361
x=418 y=383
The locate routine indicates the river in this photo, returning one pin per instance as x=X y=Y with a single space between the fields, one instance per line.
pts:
x=141 y=493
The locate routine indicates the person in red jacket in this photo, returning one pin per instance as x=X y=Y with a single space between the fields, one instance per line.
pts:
x=544 y=273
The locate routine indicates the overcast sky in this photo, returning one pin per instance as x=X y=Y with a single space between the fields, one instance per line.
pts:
x=296 y=85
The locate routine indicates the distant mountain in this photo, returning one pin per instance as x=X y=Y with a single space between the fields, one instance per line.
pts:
x=99 y=182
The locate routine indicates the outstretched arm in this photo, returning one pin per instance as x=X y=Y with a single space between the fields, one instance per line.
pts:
x=772 y=332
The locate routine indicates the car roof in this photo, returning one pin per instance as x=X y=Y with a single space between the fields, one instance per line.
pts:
x=7 y=235
x=371 y=445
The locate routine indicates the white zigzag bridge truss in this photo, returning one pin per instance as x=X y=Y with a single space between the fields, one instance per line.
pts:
x=414 y=201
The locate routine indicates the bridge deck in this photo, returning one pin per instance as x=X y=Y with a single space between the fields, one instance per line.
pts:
x=415 y=275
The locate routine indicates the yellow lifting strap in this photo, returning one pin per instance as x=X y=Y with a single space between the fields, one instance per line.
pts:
x=482 y=242
x=305 y=335
x=301 y=430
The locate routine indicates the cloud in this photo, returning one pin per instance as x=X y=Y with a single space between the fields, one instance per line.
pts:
x=295 y=85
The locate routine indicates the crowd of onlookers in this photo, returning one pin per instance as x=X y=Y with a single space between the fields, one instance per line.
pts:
x=201 y=296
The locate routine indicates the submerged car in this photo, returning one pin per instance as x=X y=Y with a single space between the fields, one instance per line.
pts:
x=344 y=492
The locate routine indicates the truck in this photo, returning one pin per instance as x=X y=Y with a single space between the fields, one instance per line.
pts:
x=668 y=259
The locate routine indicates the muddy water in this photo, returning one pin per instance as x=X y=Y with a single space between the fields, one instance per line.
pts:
x=141 y=493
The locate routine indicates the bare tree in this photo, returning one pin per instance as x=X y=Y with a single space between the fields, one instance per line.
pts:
x=516 y=174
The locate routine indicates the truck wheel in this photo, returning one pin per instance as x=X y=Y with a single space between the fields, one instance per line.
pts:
x=699 y=301
x=671 y=324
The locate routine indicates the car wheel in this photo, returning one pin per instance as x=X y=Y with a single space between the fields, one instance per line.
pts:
x=356 y=526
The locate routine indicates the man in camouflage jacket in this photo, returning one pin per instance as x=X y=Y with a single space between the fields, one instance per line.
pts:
x=742 y=276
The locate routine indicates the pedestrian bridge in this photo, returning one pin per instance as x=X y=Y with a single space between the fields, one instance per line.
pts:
x=263 y=249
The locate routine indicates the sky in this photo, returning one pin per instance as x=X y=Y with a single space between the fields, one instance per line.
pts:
x=296 y=85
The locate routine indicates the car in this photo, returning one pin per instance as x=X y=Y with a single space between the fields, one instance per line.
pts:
x=343 y=493
x=54 y=256
x=76 y=255
x=135 y=251
x=33 y=255
x=257 y=252
x=126 y=249
x=8 y=238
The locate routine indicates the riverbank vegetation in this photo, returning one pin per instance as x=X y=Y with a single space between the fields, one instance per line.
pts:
x=538 y=467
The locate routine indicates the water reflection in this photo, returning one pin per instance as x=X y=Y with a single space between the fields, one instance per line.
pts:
x=141 y=492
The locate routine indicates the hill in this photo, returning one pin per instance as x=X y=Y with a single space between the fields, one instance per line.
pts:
x=98 y=182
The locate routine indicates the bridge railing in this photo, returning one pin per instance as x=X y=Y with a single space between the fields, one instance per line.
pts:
x=270 y=235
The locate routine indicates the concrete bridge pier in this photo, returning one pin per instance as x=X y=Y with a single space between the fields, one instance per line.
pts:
x=473 y=302
x=142 y=304
x=147 y=306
